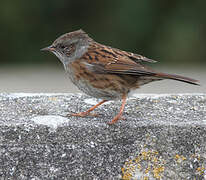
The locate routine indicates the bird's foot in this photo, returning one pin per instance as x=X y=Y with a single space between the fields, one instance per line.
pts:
x=83 y=114
x=115 y=119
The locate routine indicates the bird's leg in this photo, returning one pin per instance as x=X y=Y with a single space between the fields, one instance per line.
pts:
x=86 y=113
x=118 y=116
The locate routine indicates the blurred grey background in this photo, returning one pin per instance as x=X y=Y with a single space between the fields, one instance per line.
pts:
x=171 y=32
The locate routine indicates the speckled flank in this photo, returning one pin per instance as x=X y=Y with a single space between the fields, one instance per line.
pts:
x=105 y=86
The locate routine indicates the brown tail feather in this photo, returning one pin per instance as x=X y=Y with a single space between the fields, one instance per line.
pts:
x=178 y=78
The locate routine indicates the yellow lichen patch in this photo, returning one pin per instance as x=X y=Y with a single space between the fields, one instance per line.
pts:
x=126 y=174
x=201 y=170
x=145 y=155
x=179 y=158
x=147 y=170
x=139 y=166
x=154 y=160
x=137 y=159
x=147 y=164
x=183 y=158
x=157 y=171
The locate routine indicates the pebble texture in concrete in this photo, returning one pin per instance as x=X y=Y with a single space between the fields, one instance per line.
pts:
x=162 y=137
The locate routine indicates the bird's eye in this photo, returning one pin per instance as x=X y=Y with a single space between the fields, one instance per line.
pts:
x=62 y=46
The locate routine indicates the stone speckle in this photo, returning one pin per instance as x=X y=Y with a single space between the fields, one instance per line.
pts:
x=163 y=137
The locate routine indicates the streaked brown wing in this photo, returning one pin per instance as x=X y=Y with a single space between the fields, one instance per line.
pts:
x=134 y=57
x=122 y=65
x=133 y=69
x=107 y=51
x=104 y=59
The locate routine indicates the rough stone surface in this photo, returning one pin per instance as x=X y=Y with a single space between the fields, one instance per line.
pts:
x=162 y=137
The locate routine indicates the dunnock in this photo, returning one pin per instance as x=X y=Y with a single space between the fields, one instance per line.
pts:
x=105 y=72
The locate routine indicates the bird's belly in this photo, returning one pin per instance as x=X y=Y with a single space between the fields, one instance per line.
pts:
x=89 y=88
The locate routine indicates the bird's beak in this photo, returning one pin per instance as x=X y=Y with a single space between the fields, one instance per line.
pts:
x=49 y=48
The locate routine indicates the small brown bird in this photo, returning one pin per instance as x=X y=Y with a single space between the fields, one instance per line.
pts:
x=104 y=72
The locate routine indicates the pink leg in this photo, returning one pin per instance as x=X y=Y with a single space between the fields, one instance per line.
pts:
x=118 y=116
x=86 y=113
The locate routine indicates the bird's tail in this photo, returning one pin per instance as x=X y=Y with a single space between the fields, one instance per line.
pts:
x=178 y=78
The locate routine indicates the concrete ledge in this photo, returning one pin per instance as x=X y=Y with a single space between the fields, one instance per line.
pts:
x=163 y=137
